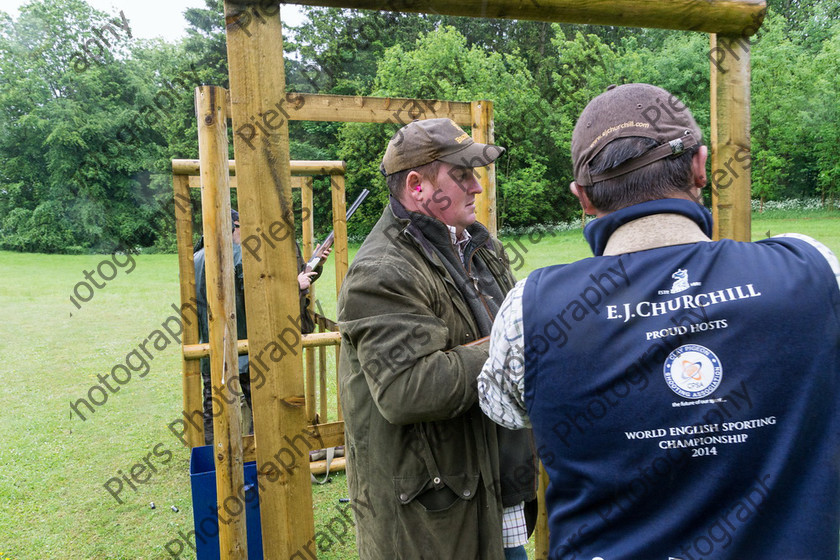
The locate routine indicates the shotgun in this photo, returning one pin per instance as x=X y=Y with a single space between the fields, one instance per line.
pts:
x=316 y=254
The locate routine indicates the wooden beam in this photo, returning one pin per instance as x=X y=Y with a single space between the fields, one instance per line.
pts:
x=340 y=255
x=320 y=467
x=732 y=17
x=190 y=370
x=314 y=340
x=482 y=132
x=221 y=315
x=356 y=108
x=319 y=436
x=730 y=111
x=307 y=197
x=257 y=81
x=541 y=530
x=352 y=108
x=298 y=167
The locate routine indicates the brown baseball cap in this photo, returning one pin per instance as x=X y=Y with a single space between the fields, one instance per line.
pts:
x=422 y=142
x=631 y=110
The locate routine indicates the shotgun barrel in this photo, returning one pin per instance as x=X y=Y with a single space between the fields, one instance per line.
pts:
x=316 y=254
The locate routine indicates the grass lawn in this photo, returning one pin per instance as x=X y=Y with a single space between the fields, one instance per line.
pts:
x=54 y=467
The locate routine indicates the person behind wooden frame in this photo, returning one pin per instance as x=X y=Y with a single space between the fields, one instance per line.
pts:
x=305 y=279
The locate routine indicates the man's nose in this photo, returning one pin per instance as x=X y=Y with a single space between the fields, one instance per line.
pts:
x=474 y=183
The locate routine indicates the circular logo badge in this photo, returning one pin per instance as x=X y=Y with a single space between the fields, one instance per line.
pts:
x=692 y=371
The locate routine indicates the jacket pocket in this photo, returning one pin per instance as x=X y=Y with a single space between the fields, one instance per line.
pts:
x=438 y=493
x=438 y=524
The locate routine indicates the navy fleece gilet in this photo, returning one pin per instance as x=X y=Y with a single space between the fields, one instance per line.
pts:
x=684 y=399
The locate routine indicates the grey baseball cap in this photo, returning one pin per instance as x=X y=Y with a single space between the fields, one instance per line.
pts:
x=631 y=110
x=422 y=142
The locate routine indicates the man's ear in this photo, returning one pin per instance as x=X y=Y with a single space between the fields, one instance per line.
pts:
x=585 y=203
x=413 y=180
x=698 y=166
x=412 y=190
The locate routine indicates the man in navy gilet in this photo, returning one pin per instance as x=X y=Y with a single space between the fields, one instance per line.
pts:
x=681 y=391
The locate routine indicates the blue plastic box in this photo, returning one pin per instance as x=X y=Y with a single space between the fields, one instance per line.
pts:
x=205 y=515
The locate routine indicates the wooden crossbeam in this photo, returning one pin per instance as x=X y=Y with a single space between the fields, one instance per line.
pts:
x=732 y=17
x=314 y=340
x=351 y=108
x=190 y=167
x=319 y=436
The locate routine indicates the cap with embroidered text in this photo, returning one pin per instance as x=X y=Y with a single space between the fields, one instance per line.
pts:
x=422 y=142
x=631 y=110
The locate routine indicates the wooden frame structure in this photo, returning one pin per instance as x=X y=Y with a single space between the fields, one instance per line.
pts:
x=216 y=175
x=264 y=173
x=185 y=177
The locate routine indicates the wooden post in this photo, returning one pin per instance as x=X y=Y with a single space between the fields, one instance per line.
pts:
x=257 y=93
x=339 y=207
x=221 y=315
x=322 y=385
x=339 y=412
x=308 y=229
x=541 y=531
x=730 y=111
x=736 y=17
x=341 y=263
x=191 y=369
x=482 y=132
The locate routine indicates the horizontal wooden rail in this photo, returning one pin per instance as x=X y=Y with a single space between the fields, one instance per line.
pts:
x=730 y=17
x=319 y=436
x=354 y=108
x=320 y=467
x=314 y=340
x=194 y=181
x=190 y=167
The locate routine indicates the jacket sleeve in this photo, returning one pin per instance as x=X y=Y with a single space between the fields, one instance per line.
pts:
x=387 y=314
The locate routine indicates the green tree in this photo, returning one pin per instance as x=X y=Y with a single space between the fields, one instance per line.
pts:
x=585 y=67
x=71 y=178
x=824 y=118
x=339 y=49
x=781 y=164
x=442 y=66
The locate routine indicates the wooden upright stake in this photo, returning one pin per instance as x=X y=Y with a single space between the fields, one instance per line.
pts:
x=257 y=92
x=221 y=315
x=482 y=131
x=191 y=378
x=730 y=108
x=341 y=259
x=341 y=263
x=541 y=531
x=308 y=230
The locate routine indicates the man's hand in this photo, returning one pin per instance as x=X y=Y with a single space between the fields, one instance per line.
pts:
x=322 y=253
x=305 y=279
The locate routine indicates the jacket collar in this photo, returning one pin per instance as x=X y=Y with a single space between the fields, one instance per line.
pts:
x=433 y=230
x=658 y=223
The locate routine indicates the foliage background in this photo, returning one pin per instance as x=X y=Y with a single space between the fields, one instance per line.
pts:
x=86 y=147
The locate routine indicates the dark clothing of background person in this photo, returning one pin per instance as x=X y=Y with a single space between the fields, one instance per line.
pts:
x=307 y=326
